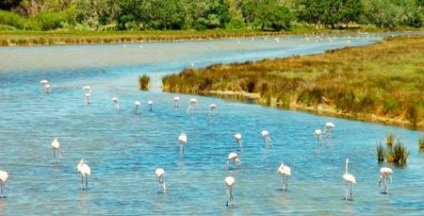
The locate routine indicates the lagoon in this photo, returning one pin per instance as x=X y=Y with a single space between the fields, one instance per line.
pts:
x=124 y=149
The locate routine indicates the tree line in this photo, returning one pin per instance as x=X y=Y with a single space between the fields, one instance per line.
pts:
x=264 y=15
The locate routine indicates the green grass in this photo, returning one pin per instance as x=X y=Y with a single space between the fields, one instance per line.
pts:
x=382 y=82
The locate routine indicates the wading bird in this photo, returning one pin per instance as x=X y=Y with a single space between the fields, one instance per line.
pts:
x=212 y=109
x=182 y=139
x=233 y=158
x=176 y=102
x=265 y=135
x=56 y=148
x=329 y=126
x=192 y=105
x=385 y=173
x=285 y=171
x=229 y=182
x=87 y=98
x=115 y=103
x=159 y=175
x=137 y=107
x=3 y=182
x=237 y=138
x=318 y=134
x=150 y=103
x=350 y=180
x=84 y=171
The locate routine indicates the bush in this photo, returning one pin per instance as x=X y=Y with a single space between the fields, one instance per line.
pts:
x=143 y=82
x=50 y=21
x=11 y=19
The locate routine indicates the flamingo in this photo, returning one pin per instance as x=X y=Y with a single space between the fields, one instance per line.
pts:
x=318 y=134
x=182 y=139
x=285 y=171
x=137 y=107
x=87 y=98
x=328 y=128
x=44 y=84
x=192 y=105
x=55 y=146
x=229 y=182
x=87 y=89
x=3 y=181
x=150 y=103
x=47 y=88
x=212 y=108
x=232 y=157
x=385 y=172
x=115 y=103
x=238 y=137
x=265 y=135
x=159 y=175
x=176 y=102
x=85 y=171
x=350 y=180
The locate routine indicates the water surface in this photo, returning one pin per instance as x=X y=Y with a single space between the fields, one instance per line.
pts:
x=124 y=149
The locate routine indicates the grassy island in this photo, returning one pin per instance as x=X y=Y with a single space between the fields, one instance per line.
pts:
x=382 y=83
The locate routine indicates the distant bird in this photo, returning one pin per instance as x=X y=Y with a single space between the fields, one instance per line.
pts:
x=265 y=135
x=56 y=148
x=229 y=182
x=44 y=82
x=159 y=175
x=285 y=171
x=115 y=103
x=3 y=182
x=87 y=98
x=192 y=105
x=182 y=139
x=350 y=180
x=176 y=102
x=84 y=171
x=47 y=88
x=87 y=89
x=137 y=107
x=232 y=158
x=150 y=103
x=329 y=126
x=212 y=109
x=385 y=173
x=237 y=138
x=318 y=134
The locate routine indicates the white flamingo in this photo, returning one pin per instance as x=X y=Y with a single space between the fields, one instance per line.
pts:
x=3 y=182
x=212 y=109
x=192 y=105
x=150 y=103
x=229 y=182
x=176 y=102
x=56 y=148
x=285 y=171
x=265 y=135
x=137 y=107
x=318 y=134
x=47 y=88
x=232 y=158
x=329 y=126
x=350 y=180
x=115 y=103
x=84 y=171
x=44 y=83
x=87 y=98
x=159 y=175
x=87 y=89
x=238 y=137
x=385 y=173
x=182 y=139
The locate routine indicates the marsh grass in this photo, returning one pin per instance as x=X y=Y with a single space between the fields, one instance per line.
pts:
x=421 y=143
x=381 y=82
x=380 y=153
x=143 y=82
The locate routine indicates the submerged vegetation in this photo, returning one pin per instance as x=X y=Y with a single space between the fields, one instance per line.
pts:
x=383 y=82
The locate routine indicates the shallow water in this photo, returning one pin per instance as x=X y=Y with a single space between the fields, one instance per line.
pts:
x=124 y=149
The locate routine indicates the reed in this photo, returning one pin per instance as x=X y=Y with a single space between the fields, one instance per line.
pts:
x=421 y=143
x=380 y=153
x=390 y=139
x=143 y=82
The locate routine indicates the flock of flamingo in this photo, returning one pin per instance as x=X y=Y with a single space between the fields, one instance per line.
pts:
x=232 y=161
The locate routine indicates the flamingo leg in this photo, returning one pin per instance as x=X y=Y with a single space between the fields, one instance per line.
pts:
x=82 y=182
x=86 y=182
x=347 y=191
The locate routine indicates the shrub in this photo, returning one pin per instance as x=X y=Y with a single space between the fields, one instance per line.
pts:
x=49 y=21
x=11 y=19
x=143 y=82
x=421 y=143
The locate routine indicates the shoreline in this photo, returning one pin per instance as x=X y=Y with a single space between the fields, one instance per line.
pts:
x=321 y=109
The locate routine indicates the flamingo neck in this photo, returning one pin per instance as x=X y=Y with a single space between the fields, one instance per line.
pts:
x=347 y=166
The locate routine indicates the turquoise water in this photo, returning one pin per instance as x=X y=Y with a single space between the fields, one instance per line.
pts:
x=124 y=149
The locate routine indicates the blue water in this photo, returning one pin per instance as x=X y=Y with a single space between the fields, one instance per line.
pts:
x=124 y=149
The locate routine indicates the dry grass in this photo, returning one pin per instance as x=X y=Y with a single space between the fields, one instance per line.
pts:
x=382 y=82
